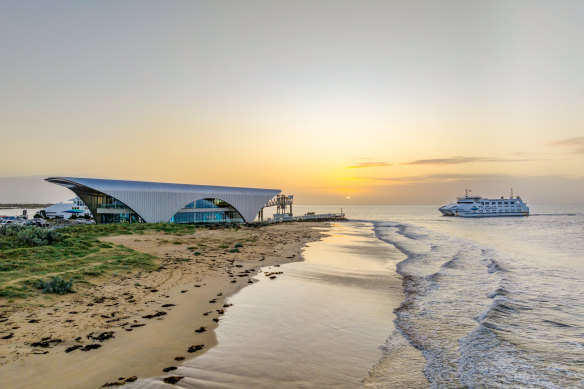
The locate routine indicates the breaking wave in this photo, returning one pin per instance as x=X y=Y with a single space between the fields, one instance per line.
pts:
x=481 y=318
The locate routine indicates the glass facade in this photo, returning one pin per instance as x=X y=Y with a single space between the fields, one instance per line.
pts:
x=120 y=218
x=112 y=203
x=207 y=211
x=207 y=203
x=107 y=209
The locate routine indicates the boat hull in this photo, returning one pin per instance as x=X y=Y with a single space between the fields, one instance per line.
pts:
x=475 y=215
x=446 y=211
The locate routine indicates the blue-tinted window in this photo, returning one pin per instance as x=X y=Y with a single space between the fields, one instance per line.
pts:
x=225 y=213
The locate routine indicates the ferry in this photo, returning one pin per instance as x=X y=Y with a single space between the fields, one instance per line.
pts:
x=477 y=206
x=75 y=206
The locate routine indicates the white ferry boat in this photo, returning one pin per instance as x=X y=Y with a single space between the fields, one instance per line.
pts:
x=75 y=206
x=476 y=206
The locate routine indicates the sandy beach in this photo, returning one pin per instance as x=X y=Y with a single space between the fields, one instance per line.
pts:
x=129 y=327
x=324 y=323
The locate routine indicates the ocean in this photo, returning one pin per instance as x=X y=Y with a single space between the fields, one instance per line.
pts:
x=490 y=302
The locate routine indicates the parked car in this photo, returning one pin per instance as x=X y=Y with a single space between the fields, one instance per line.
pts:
x=84 y=221
x=39 y=222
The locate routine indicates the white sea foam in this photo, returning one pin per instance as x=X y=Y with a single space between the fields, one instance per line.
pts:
x=477 y=322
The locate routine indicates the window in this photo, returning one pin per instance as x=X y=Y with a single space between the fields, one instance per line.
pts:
x=218 y=212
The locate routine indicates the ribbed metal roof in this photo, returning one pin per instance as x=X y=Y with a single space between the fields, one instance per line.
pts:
x=158 y=202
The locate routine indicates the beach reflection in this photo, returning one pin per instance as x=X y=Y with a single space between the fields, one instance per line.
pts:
x=319 y=324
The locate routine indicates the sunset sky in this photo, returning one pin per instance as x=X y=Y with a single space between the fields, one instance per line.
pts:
x=385 y=102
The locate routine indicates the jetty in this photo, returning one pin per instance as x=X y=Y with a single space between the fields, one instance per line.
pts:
x=283 y=204
x=309 y=216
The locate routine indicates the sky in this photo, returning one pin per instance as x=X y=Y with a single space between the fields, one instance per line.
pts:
x=336 y=102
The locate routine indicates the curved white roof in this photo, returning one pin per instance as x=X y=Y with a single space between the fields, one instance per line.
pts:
x=157 y=202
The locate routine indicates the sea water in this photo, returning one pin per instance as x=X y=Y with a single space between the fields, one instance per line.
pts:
x=491 y=302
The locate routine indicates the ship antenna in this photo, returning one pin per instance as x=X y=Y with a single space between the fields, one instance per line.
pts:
x=511 y=192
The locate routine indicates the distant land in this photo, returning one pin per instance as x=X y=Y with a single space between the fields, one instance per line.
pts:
x=23 y=205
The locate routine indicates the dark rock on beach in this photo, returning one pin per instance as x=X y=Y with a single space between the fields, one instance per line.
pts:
x=112 y=384
x=172 y=379
x=121 y=381
x=170 y=368
x=195 y=348
x=46 y=342
x=157 y=314
x=91 y=347
x=101 y=337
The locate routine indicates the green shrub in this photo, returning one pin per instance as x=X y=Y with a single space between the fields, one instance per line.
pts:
x=56 y=285
x=11 y=229
x=234 y=250
x=36 y=236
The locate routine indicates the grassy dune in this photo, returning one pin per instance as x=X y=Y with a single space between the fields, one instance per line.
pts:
x=79 y=256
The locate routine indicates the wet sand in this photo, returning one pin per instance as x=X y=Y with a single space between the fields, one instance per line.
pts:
x=141 y=323
x=320 y=324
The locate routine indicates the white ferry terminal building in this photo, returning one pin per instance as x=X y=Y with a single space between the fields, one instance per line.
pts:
x=113 y=201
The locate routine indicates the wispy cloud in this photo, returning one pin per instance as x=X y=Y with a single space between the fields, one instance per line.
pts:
x=460 y=160
x=575 y=144
x=435 y=178
x=369 y=164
